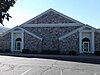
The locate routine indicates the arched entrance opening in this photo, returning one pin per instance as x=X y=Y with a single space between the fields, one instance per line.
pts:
x=18 y=44
x=86 y=45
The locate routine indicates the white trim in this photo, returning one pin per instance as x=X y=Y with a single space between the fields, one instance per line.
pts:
x=80 y=42
x=11 y=30
x=90 y=27
x=92 y=44
x=22 y=41
x=22 y=30
x=70 y=33
x=17 y=31
x=54 y=12
x=88 y=48
x=78 y=29
x=16 y=42
x=86 y=30
x=31 y=34
x=12 y=38
x=51 y=25
x=12 y=42
x=92 y=49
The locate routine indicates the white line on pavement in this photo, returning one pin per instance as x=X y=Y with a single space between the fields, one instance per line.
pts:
x=25 y=72
x=95 y=74
x=61 y=73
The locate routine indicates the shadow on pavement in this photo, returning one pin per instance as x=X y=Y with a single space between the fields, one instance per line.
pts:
x=91 y=59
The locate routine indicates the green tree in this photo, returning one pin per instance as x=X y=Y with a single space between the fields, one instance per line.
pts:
x=4 y=7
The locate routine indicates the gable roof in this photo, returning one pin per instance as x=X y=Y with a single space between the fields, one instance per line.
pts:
x=51 y=16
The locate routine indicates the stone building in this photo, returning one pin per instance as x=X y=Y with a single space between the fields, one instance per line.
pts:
x=52 y=31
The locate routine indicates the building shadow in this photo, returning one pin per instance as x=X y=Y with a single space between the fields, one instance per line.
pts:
x=90 y=59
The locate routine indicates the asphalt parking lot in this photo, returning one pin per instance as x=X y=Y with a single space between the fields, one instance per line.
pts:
x=11 y=65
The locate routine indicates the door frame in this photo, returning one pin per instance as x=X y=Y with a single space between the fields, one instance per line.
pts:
x=16 y=46
x=88 y=47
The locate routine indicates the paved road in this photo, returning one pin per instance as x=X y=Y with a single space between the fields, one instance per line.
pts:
x=38 y=66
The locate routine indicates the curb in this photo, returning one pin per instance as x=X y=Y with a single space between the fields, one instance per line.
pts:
x=51 y=56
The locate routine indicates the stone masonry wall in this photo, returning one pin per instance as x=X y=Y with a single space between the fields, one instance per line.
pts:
x=97 y=41
x=48 y=31
x=32 y=43
x=70 y=43
x=51 y=18
x=50 y=35
x=5 y=42
x=50 y=43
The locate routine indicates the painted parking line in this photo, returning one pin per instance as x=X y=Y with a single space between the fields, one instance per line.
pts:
x=25 y=72
x=95 y=74
x=61 y=73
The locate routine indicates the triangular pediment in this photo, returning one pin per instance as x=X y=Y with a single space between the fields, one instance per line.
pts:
x=51 y=17
x=87 y=28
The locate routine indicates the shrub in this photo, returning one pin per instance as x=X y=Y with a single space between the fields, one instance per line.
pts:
x=7 y=50
x=1 y=51
x=50 y=52
x=72 y=52
x=26 y=51
x=97 y=53
x=34 y=52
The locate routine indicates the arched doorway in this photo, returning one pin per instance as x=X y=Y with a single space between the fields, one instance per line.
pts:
x=86 y=45
x=18 y=44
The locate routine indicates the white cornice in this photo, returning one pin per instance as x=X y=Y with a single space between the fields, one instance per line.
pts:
x=51 y=25
x=70 y=33
x=31 y=34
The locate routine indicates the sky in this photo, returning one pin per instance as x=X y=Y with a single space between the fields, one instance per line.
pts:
x=85 y=11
